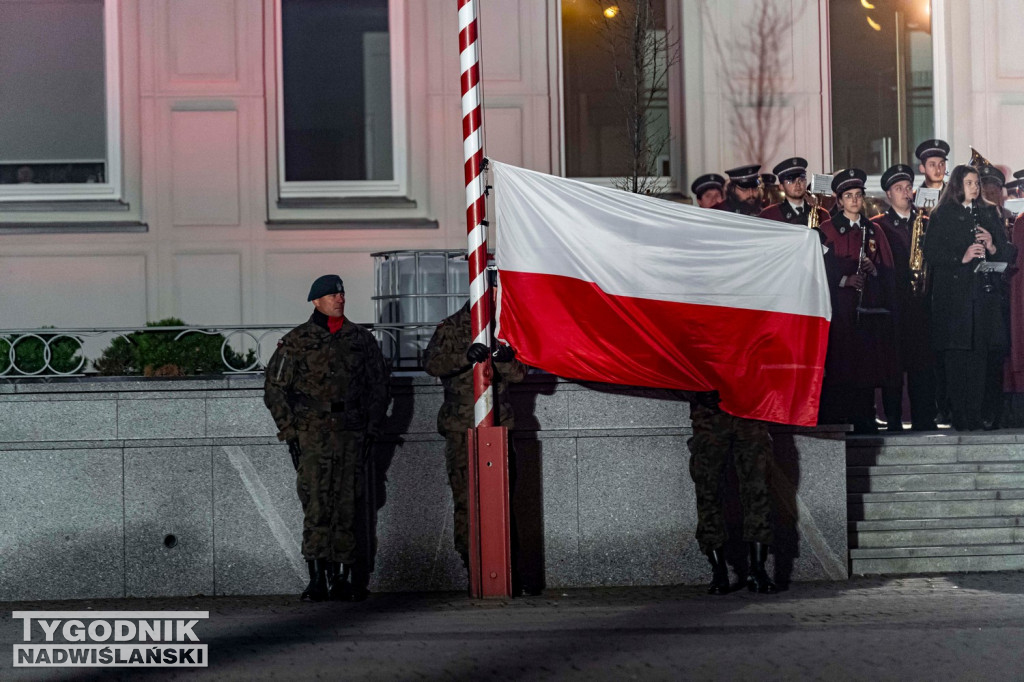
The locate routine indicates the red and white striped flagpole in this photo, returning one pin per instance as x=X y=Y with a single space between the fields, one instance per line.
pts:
x=472 y=136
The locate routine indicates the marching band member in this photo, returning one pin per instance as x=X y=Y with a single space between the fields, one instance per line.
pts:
x=861 y=336
x=793 y=209
x=708 y=190
x=933 y=154
x=743 y=194
x=913 y=308
x=968 y=325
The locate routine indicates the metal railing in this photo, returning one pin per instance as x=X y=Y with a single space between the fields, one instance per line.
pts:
x=403 y=346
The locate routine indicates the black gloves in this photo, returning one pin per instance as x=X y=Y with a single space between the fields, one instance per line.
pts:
x=708 y=399
x=478 y=353
x=295 y=451
x=503 y=354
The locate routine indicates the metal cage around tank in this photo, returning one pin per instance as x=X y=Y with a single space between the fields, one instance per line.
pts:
x=413 y=291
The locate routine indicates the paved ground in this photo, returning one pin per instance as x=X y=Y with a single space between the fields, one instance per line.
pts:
x=949 y=627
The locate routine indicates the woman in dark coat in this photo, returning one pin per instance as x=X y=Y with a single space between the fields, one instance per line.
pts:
x=861 y=339
x=968 y=327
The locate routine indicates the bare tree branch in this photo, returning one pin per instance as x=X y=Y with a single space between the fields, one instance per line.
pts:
x=642 y=55
x=749 y=68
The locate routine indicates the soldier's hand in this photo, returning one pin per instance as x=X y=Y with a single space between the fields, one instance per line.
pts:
x=708 y=399
x=503 y=354
x=295 y=451
x=478 y=352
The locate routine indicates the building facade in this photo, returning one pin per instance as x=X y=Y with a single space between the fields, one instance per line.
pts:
x=206 y=159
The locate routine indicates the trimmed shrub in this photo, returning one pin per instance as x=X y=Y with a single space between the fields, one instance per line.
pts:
x=159 y=354
x=28 y=354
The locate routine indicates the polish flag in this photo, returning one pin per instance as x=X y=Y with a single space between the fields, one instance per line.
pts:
x=603 y=285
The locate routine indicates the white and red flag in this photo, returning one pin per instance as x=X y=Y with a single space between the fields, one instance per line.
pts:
x=603 y=285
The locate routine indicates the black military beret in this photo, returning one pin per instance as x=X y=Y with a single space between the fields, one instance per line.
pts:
x=790 y=168
x=745 y=176
x=992 y=173
x=930 y=148
x=894 y=174
x=706 y=182
x=326 y=285
x=851 y=178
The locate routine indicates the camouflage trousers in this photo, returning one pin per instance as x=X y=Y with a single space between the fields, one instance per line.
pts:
x=715 y=435
x=456 y=462
x=329 y=483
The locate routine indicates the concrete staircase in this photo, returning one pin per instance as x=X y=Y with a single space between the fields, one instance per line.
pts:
x=926 y=503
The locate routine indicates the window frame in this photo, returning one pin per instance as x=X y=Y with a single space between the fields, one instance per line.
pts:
x=940 y=90
x=350 y=189
x=112 y=190
x=677 y=123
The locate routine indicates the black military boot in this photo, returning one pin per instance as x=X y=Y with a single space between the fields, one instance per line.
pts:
x=719 y=572
x=340 y=589
x=316 y=590
x=757 y=578
x=360 y=581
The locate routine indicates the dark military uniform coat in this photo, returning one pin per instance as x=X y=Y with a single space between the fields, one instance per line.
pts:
x=860 y=347
x=1014 y=382
x=317 y=380
x=912 y=311
x=446 y=360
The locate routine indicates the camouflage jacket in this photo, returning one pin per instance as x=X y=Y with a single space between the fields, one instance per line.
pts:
x=317 y=380
x=446 y=360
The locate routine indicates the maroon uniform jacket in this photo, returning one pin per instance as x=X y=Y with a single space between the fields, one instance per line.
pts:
x=912 y=312
x=861 y=348
x=784 y=213
x=1014 y=379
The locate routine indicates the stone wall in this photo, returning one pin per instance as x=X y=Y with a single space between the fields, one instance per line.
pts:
x=178 y=487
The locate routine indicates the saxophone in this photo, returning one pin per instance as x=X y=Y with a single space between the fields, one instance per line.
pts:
x=918 y=268
x=812 y=217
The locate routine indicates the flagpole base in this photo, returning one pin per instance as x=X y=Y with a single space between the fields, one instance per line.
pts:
x=490 y=555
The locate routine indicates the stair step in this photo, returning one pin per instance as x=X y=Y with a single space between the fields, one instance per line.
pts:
x=935 y=482
x=946 y=564
x=953 y=522
x=932 y=537
x=917 y=469
x=911 y=483
x=935 y=508
x=937 y=551
x=934 y=495
x=900 y=454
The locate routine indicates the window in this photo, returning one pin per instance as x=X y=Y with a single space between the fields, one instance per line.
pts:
x=882 y=95
x=59 y=102
x=340 y=101
x=600 y=86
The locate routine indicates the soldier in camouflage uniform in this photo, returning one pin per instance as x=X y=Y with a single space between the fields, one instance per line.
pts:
x=450 y=357
x=715 y=435
x=327 y=389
